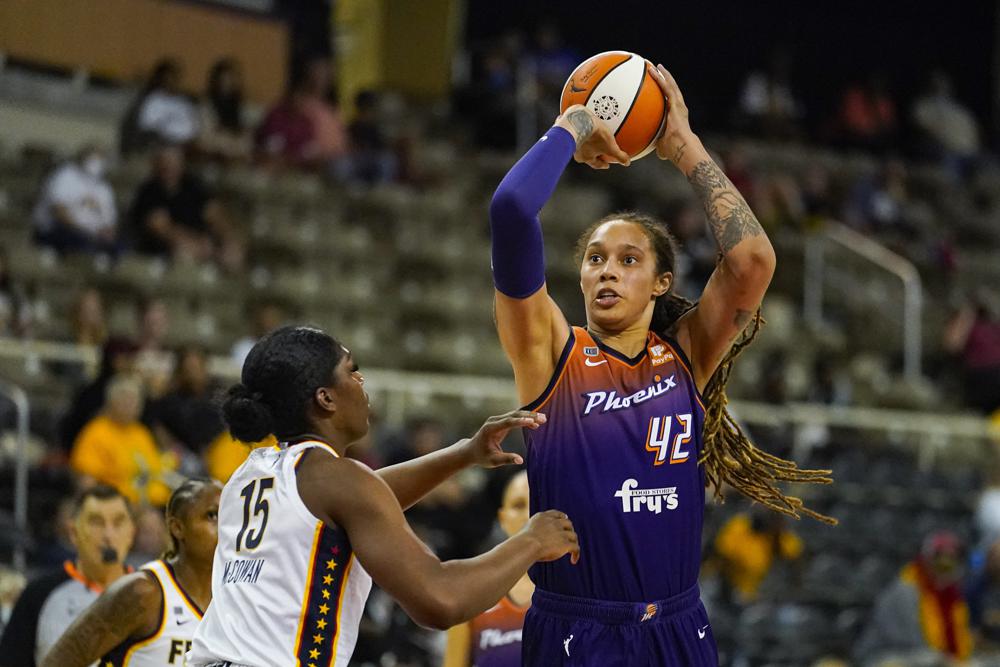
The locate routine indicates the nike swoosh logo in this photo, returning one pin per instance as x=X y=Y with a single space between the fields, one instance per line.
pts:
x=184 y=622
x=574 y=89
x=596 y=363
x=701 y=632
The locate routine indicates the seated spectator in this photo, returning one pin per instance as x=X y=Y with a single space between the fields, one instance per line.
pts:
x=154 y=361
x=103 y=530
x=161 y=113
x=879 y=203
x=948 y=128
x=117 y=357
x=90 y=325
x=174 y=215
x=223 y=132
x=370 y=160
x=188 y=411
x=304 y=129
x=973 y=336
x=768 y=105
x=116 y=448
x=747 y=547
x=265 y=317
x=76 y=210
x=924 y=610
x=868 y=115
x=15 y=310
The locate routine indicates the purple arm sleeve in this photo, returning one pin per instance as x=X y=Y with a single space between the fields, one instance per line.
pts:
x=518 y=252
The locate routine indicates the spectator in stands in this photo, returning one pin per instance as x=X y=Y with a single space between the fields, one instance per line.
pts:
x=224 y=133
x=12 y=583
x=973 y=337
x=489 y=98
x=103 y=531
x=924 y=611
x=868 y=115
x=948 y=128
x=76 y=210
x=188 y=411
x=829 y=384
x=264 y=317
x=304 y=129
x=117 y=357
x=161 y=113
x=116 y=448
x=748 y=546
x=768 y=105
x=15 y=311
x=879 y=203
x=369 y=159
x=89 y=323
x=174 y=215
x=698 y=252
x=154 y=360
x=983 y=593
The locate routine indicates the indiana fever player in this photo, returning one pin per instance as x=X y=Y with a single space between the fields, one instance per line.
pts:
x=301 y=526
x=493 y=639
x=148 y=618
x=635 y=400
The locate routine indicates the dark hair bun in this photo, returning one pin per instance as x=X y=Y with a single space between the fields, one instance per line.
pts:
x=249 y=418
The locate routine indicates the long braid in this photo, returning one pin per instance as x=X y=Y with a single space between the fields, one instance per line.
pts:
x=728 y=455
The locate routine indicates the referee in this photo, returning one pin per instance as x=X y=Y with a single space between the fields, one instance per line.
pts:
x=103 y=530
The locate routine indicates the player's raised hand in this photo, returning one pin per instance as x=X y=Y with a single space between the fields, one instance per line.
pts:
x=485 y=447
x=595 y=143
x=555 y=535
x=677 y=134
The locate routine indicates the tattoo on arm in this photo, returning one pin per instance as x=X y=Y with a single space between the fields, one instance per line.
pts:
x=731 y=219
x=678 y=154
x=582 y=123
x=123 y=610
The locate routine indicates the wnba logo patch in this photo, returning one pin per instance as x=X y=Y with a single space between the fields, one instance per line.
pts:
x=650 y=613
x=591 y=351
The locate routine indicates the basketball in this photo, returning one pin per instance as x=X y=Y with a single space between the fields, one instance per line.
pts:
x=617 y=88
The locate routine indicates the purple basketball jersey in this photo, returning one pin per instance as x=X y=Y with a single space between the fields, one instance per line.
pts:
x=619 y=454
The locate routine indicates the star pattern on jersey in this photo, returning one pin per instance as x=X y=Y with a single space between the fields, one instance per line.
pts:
x=329 y=567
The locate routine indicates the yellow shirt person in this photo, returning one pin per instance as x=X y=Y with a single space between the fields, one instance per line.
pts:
x=747 y=554
x=117 y=449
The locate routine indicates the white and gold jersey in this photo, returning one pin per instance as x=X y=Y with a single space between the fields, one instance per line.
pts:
x=286 y=588
x=179 y=617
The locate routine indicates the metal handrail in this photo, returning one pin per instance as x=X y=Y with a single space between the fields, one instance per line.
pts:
x=879 y=255
x=21 y=403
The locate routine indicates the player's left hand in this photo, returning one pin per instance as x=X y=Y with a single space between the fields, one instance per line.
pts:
x=677 y=134
x=484 y=448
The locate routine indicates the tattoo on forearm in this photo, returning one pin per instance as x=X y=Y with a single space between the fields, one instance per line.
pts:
x=731 y=219
x=582 y=123
x=678 y=154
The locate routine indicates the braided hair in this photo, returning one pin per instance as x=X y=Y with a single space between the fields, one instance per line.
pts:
x=279 y=379
x=728 y=455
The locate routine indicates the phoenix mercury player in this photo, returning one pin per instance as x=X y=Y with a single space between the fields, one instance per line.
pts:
x=635 y=401
x=493 y=639
x=301 y=526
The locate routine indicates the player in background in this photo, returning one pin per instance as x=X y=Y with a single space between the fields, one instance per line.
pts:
x=493 y=639
x=301 y=526
x=148 y=618
x=635 y=401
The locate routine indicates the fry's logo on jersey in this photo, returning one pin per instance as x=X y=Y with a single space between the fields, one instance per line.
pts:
x=609 y=401
x=653 y=499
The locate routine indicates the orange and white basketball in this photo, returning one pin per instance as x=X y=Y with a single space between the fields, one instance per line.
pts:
x=617 y=88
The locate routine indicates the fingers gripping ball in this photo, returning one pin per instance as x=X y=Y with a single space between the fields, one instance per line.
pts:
x=617 y=88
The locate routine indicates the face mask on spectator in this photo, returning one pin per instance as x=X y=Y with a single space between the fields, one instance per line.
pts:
x=95 y=165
